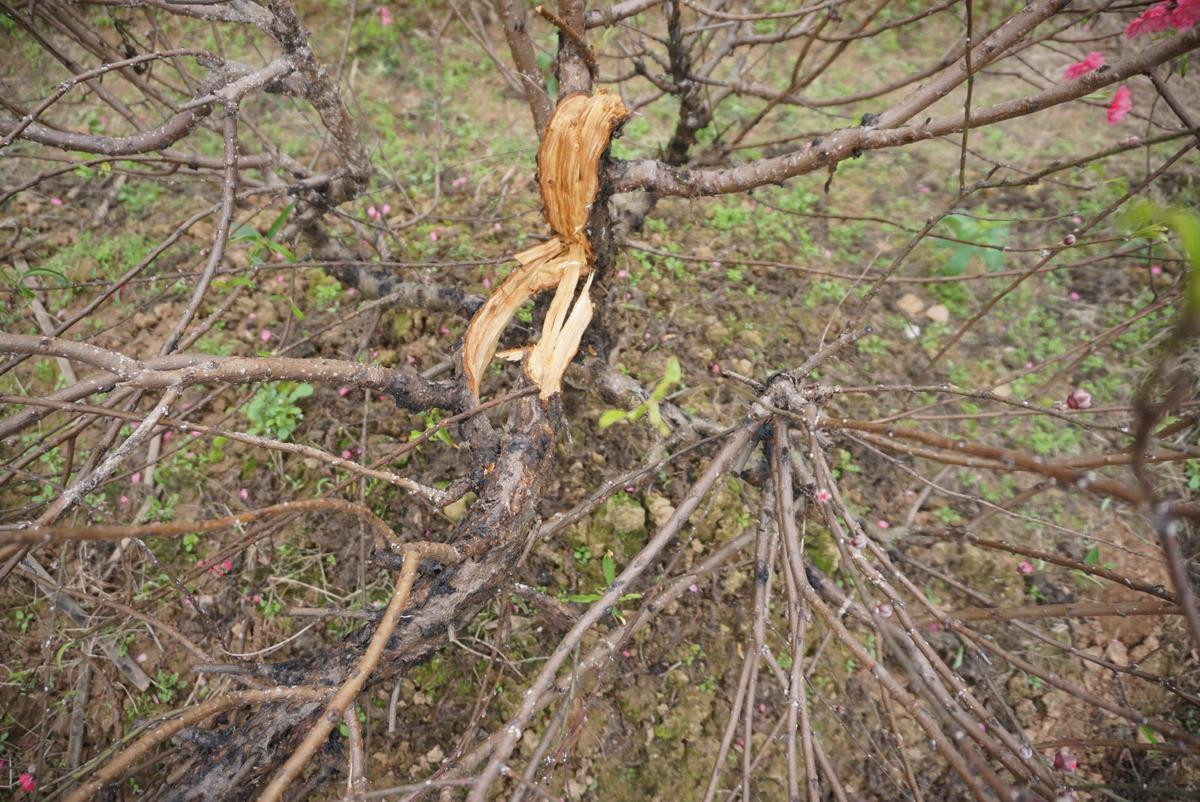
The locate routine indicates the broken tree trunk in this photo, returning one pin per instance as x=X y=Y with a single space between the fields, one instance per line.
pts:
x=232 y=761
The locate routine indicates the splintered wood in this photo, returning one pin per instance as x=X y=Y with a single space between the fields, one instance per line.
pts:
x=568 y=177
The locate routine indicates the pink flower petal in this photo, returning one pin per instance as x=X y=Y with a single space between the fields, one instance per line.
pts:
x=265 y=335
x=1079 y=398
x=244 y=494
x=346 y=453
x=27 y=782
x=1024 y=567
x=385 y=16
x=1065 y=762
x=343 y=391
x=1156 y=18
x=1186 y=15
x=1122 y=104
x=1092 y=61
x=823 y=496
x=136 y=478
x=53 y=202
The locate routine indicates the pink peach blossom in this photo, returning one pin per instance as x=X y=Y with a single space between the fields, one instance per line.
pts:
x=1079 y=398
x=1122 y=104
x=1178 y=14
x=1092 y=61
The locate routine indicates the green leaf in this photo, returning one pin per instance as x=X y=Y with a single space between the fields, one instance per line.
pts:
x=278 y=222
x=584 y=598
x=674 y=373
x=610 y=416
x=657 y=419
x=282 y=250
x=956 y=265
x=1093 y=556
x=58 y=656
x=1186 y=224
x=45 y=271
x=245 y=232
x=1152 y=232
x=670 y=378
x=609 y=566
x=296 y=313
